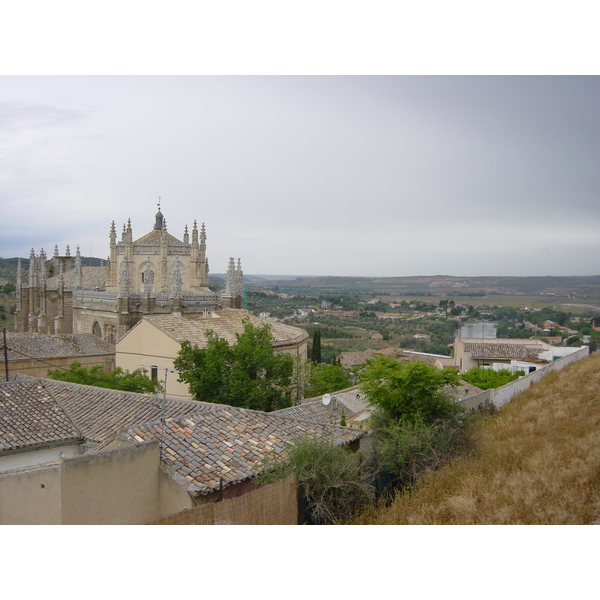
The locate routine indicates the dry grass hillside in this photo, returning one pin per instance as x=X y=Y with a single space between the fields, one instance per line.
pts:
x=537 y=462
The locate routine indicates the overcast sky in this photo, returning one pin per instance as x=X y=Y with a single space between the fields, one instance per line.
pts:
x=357 y=175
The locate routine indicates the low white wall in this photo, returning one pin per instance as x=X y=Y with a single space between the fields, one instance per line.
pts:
x=506 y=393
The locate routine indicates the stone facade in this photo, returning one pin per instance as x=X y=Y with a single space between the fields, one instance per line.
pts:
x=155 y=274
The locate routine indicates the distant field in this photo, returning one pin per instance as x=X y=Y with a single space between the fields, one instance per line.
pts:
x=572 y=305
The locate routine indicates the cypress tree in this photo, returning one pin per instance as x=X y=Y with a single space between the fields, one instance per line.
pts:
x=316 y=346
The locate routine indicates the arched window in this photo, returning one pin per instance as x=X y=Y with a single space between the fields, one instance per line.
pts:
x=97 y=330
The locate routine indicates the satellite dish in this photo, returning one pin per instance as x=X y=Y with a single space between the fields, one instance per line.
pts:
x=326 y=399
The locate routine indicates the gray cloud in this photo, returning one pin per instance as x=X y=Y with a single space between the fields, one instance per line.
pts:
x=313 y=175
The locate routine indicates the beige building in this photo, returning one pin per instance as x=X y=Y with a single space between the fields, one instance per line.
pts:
x=154 y=274
x=154 y=342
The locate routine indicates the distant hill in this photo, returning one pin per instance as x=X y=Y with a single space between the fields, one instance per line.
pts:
x=449 y=285
x=8 y=266
x=581 y=287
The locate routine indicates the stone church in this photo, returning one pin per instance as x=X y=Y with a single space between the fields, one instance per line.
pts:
x=155 y=274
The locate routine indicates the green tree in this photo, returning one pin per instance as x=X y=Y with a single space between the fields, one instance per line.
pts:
x=410 y=391
x=316 y=346
x=326 y=378
x=117 y=379
x=249 y=374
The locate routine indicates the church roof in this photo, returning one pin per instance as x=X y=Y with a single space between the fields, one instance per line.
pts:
x=154 y=238
x=93 y=278
x=41 y=345
x=226 y=324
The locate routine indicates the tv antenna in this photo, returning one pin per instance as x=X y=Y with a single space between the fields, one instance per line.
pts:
x=163 y=405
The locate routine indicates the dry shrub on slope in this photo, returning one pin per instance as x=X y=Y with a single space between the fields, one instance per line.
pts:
x=538 y=462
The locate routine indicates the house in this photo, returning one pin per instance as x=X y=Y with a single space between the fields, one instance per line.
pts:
x=473 y=352
x=529 y=354
x=156 y=340
x=35 y=353
x=75 y=454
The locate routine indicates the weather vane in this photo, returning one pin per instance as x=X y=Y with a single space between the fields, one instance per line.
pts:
x=159 y=199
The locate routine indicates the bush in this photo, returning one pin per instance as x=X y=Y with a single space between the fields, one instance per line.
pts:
x=486 y=379
x=117 y=379
x=403 y=452
x=332 y=480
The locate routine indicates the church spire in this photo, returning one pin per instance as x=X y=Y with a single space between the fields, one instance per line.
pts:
x=78 y=279
x=195 y=234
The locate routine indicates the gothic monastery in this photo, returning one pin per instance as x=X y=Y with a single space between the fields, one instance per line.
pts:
x=155 y=274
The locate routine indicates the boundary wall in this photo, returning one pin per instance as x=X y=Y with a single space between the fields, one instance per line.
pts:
x=506 y=393
x=272 y=504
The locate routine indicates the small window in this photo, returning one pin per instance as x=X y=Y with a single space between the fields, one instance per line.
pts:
x=154 y=374
x=97 y=330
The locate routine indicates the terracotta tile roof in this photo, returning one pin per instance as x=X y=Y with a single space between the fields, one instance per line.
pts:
x=501 y=351
x=407 y=355
x=229 y=443
x=316 y=412
x=355 y=359
x=101 y=413
x=30 y=418
x=40 y=345
x=202 y=442
x=226 y=324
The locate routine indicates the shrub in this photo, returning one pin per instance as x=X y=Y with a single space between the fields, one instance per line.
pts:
x=486 y=379
x=332 y=480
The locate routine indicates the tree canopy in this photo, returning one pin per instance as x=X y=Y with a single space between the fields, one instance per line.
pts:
x=248 y=374
x=410 y=391
x=117 y=379
x=326 y=378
